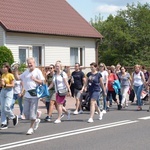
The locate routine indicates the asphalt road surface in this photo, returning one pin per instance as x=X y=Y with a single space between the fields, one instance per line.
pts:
x=127 y=129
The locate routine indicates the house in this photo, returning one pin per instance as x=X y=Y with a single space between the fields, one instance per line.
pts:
x=48 y=30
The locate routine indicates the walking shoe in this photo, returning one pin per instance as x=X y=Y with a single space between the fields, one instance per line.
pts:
x=21 y=117
x=101 y=116
x=15 y=120
x=80 y=112
x=119 y=107
x=104 y=111
x=57 y=121
x=30 y=131
x=62 y=116
x=3 y=126
x=90 y=120
x=75 y=112
x=96 y=112
x=48 y=118
x=107 y=108
x=68 y=116
x=37 y=123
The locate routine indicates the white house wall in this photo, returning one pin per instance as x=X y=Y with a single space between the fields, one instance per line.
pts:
x=55 y=47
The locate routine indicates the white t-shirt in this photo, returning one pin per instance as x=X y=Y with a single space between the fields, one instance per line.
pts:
x=104 y=75
x=138 y=79
x=28 y=83
x=60 y=81
x=18 y=87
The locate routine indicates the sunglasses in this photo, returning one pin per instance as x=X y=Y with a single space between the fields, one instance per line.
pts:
x=48 y=68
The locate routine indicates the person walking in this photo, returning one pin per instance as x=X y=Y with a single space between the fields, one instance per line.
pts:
x=31 y=78
x=6 y=97
x=94 y=82
x=60 y=81
x=77 y=81
x=104 y=73
x=111 y=92
x=137 y=83
x=18 y=95
x=125 y=82
x=50 y=100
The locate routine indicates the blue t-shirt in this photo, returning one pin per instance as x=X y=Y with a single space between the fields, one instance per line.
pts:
x=94 y=82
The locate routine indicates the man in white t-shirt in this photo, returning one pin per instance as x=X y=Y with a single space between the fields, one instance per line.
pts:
x=31 y=78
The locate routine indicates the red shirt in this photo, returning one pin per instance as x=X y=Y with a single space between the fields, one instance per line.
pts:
x=111 y=78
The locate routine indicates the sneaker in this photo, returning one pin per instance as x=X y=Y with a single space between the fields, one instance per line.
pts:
x=30 y=131
x=15 y=120
x=21 y=117
x=101 y=116
x=90 y=120
x=48 y=118
x=80 y=112
x=119 y=107
x=62 y=116
x=96 y=112
x=107 y=108
x=104 y=111
x=68 y=116
x=37 y=123
x=3 y=127
x=57 y=121
x=75 y=112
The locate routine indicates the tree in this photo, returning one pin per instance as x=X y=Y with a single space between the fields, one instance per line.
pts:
x=126 y=36
x=5 y=55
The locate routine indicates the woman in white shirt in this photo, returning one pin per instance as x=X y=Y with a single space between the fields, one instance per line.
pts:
x=18 y=95
x=104 y=73
x=60 y=81
x=138 y=82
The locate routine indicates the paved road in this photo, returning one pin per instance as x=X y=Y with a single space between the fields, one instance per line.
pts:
x=125 y=129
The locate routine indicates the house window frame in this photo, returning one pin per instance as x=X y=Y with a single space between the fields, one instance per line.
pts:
x=26 y=48
x=42 y=54
x=81 y=55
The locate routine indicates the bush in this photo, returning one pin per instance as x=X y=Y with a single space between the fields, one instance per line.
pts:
x=5 y=56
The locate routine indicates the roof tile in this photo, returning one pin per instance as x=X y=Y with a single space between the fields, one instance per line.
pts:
x=55 y=17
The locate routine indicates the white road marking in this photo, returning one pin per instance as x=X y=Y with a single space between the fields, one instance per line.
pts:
x=64 y=134
x=145 y=118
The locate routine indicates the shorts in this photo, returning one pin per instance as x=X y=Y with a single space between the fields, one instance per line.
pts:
x=51 y=97
x=60 y=99
x=94 y=95
x=77 y=93
x=30 y=108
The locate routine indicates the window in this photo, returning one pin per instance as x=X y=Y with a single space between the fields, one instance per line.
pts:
x=37 y=54
x=23 y=51
x=76 y=56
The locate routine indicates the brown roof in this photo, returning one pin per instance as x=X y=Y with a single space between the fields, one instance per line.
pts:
x=54 y=17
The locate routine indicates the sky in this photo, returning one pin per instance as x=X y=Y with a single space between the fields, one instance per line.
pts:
x=90 y=8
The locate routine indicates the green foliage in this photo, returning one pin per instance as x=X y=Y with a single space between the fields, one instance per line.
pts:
x=22 y=68
x=5 y=55
x=126 y=36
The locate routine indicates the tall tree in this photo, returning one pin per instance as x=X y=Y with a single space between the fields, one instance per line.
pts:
x=126 y=36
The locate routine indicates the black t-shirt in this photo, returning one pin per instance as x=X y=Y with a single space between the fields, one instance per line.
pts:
x=78 y=79
x=94 y=81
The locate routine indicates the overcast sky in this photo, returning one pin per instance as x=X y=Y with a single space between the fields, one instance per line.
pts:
x=90 y=8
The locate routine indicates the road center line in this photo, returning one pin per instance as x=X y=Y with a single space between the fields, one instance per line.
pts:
x=64 y=134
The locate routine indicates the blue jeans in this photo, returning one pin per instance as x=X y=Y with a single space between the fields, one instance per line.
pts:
x=6 y=97
x=138 y=90
x=16 y=97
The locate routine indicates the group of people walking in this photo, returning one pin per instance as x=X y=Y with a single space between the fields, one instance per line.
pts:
x=108 y=81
